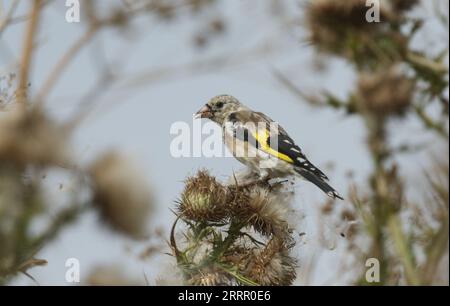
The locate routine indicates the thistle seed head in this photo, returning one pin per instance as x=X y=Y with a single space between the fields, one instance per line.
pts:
x=203 y=199
x=386 y=93
x=30 y=137
x=272 y=266
x=209 y=277
x=262 y=210
x=121 y=195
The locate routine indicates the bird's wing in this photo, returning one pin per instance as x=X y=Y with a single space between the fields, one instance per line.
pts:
x=266 y=135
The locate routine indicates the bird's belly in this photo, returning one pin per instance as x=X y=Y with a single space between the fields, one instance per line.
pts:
x=242 y=151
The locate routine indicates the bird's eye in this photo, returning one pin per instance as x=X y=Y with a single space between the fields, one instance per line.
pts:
x=219 y=105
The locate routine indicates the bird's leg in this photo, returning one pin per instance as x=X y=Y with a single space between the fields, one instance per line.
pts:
x=280 y=182
x=262 y=179
x=259 y=181
x=275 y=185
x=249 y=184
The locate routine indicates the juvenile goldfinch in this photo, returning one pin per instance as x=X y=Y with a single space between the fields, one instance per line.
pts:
x=259 y=143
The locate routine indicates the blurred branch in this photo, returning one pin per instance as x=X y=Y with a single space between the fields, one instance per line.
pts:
x=31 y=263
x=329 y=100
x=199 y=66
x=5 y=20
x=64 y=61
x=106 y=80
x=424 y=62
x=27 y=51
x=430 y=123
x=59 y=222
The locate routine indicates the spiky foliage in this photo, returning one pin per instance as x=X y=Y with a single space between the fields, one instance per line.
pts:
x=221 y=244
x=203 y=199
x=395 y=81
x=262 y=209
x=271 y=265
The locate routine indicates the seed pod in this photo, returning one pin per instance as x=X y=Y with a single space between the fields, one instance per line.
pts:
x=262 y=210
x=385 y=93
x=209 y=277
x=203 y=199
x=121 y=195
x=272 y=266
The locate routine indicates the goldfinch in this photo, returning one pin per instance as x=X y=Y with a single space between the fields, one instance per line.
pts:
x=259 y=143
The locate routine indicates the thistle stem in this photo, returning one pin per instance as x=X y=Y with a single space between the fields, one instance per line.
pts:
x=233 y=234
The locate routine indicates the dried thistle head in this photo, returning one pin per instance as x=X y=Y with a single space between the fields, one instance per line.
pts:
x=341 y=28
x=261 y=209
x=30 y=137
x=209 y=276
x=239 y=254
x=110 y=275
x=350 y=13
x=385 y=93
x=272 y=265
x=328 y=20
x=121 y=194
x=229 y=243
x=203 y=199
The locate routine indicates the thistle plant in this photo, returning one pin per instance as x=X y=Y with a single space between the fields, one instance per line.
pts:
x=35 y=146
x=110 y=186
x=396 y=81
x=233 y=233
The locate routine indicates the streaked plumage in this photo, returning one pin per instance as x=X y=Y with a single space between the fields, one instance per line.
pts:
x=261 y=144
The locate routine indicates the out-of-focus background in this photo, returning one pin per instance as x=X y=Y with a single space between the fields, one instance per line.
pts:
x=121 y=76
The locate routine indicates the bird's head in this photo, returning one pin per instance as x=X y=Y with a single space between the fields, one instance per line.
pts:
x=218 y=108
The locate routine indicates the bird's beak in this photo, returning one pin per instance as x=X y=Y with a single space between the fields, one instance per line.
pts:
x=204 y=112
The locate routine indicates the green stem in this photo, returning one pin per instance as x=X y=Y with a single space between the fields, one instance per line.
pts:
x=233 y=234
x=422 y=61
x=430 y=123
x=403 y=250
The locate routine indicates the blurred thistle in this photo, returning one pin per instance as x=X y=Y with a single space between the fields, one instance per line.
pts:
x=209 y=277
x=42 y=140
x=110 y=275
x=394 y=81
x=121 y=194
x=385 y=93
x=32 y=143
x=341 y=28
x=403 y=5
x=226 y=225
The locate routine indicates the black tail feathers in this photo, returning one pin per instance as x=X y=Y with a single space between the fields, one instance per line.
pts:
x=330 y=191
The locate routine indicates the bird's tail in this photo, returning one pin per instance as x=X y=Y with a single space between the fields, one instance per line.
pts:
x=319 y=182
